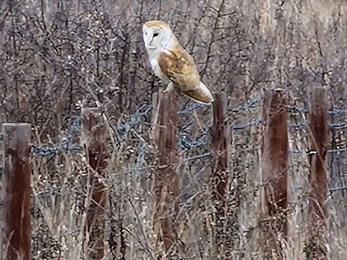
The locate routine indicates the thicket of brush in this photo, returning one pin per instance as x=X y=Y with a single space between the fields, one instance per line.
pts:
x=58 y=56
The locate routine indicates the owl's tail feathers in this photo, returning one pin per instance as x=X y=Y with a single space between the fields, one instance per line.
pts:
x=201 y=94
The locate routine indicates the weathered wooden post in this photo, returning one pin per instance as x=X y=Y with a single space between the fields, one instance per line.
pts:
x=166 y=180
x=318 y=139
x=16 y=181
x=274 y=166
x=95 y=140
x=220 y=169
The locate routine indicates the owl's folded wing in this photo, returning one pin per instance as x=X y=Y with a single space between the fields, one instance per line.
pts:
x=180 y=67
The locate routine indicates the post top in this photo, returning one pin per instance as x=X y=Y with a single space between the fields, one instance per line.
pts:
x=16 y=124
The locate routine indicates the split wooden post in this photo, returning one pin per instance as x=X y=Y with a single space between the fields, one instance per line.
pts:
x=95 y=139
x=16 y=181
x=318 y=140
x=220 y=168
x=274 y=165
x=166 y=182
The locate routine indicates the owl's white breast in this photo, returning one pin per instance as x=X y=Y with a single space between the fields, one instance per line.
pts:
x=157 y=71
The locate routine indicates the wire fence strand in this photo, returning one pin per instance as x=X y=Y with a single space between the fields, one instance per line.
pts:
x=185 y=142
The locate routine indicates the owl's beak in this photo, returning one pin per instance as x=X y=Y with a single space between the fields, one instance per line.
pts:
x=149 y=46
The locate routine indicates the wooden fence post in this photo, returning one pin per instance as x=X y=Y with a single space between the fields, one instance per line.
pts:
x=220 y=170
x=318 y=139
x=16 y=181
x=166 y=180
x=274 y=166
x=95 y=135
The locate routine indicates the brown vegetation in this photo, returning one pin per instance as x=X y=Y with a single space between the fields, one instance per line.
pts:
x=60 y=57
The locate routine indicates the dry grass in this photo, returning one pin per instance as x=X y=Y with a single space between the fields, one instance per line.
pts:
x=59 y=56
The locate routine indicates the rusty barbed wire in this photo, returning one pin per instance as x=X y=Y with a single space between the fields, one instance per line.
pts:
x=46 y=151
x=185 y=142
x=124 y=128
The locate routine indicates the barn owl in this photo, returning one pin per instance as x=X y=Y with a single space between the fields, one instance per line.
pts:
x=173 y=64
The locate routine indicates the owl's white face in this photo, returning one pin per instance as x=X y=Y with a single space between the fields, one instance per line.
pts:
x=156 y=38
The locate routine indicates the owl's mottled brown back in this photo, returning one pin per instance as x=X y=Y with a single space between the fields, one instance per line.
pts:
x=180 y=68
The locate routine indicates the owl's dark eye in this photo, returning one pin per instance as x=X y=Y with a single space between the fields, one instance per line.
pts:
x=155 y=34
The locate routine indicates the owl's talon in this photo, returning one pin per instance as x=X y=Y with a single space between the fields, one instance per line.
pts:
x=166 y=91
x=169 y=88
